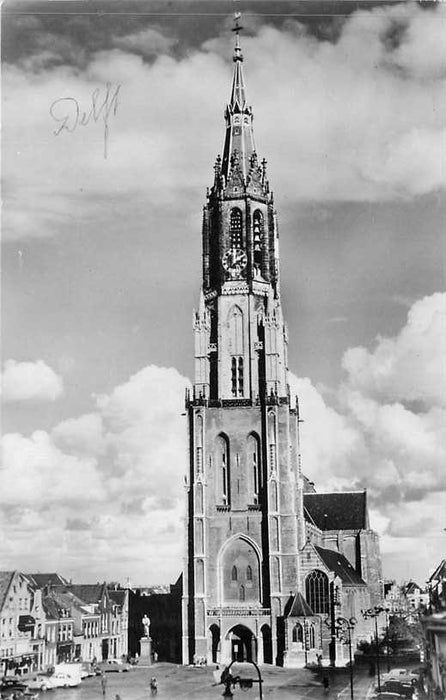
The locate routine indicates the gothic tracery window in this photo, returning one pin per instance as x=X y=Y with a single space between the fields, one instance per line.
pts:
x=316 y=591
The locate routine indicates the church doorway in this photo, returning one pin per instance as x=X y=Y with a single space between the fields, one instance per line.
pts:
x=243 y=644
x=215 y=642
x=267 y=644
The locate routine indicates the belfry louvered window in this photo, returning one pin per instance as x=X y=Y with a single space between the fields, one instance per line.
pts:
x=235 y=228
x=257 y=231
x=316 y=591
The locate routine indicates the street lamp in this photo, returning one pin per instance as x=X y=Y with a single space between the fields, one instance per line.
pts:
x=343 y=629
x=374 y=613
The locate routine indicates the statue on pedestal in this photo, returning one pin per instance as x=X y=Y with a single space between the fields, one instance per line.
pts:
x=146 y=623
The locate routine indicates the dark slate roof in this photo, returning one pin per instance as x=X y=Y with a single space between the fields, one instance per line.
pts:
x=42 y=580
x=5 y=581
x=337 y=511
x=88 y=592
x=439 y=573
x=117 y=596
x=411 y=587
x=297 y=606
x=336 y=562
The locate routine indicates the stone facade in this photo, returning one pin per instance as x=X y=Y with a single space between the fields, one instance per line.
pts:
x=248 y=549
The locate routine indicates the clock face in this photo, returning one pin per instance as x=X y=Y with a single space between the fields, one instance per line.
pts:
x=234 y=261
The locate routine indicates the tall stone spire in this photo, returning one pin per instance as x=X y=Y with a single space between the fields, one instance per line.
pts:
x=239 y=145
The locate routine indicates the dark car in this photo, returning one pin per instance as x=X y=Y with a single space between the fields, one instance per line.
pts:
x=12 y=684
x=405 y=690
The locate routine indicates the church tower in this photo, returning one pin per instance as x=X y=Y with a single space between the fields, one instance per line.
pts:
x=245 y=523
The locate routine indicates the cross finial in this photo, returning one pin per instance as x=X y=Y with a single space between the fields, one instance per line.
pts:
x=237 y=28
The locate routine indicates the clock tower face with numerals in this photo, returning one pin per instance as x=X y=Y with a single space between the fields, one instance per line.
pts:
x=234 y=262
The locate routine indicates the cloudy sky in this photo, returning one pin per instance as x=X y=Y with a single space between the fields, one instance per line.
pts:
x=101 y=263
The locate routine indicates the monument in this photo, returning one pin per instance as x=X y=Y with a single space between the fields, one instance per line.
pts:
x=146 y=643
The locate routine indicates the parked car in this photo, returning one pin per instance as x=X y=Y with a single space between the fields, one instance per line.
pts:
x=12 y=682
x=42 y=681
x=115 y=665
x=401 y=674
x=405 y=689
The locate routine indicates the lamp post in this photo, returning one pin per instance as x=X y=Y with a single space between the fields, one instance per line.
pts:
x=244 y=683
x=374 y=613
x=343 y=630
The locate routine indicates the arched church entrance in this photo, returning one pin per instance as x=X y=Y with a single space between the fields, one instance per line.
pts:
x=243 y=644
x=267 y=644
x=215 y=642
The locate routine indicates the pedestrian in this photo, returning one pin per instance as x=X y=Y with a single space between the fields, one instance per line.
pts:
x=153 y=686
x=103 y=683
x=217 y=675
x=117 y=697
x=326 y=683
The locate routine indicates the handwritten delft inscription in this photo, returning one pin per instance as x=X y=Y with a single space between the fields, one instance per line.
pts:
x=67 y=112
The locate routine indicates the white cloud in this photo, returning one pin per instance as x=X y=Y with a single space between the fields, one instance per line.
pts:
x=351 y=124
x=409 y=367
x=30 y=381
x=105 y=488
x=148 y=41
x=369 y=438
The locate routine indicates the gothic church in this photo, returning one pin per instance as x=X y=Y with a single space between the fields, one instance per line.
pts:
x=269 y=563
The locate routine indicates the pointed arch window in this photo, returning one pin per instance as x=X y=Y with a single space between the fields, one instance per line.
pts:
x=236 y=347
x=316 y=591
x=242 y=594
x=311 y=642
x=235 y=228
x=272 y=441
x=254 y=465
x=248 y=573
x=257 y=228
x=223 y=464
x=298 y=633
x=199 y=443
x=234 y=574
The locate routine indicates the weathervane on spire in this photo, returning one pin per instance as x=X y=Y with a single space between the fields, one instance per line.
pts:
x=237 y=29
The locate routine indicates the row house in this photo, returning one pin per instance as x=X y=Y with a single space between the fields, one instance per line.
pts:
x=22 y=625
x=108 y=609
x=46 y=620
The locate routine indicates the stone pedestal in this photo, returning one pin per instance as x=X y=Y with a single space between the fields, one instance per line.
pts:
x=145 y=658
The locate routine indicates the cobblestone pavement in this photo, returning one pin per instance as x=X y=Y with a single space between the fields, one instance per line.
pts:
x=198 y=684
